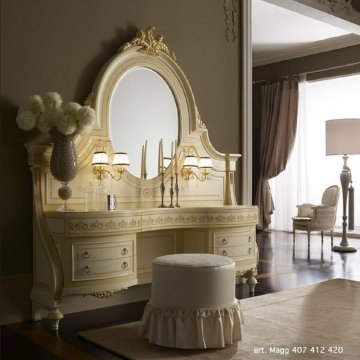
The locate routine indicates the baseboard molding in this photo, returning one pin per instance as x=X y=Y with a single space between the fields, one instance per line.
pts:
x=15 y=304
x=352 y=234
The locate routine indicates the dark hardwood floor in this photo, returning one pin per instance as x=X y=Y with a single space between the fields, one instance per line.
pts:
x=281 y=266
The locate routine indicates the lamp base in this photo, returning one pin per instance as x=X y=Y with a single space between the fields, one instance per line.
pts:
x=339 y=248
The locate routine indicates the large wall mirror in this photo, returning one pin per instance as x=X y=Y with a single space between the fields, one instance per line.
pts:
x=142 y=96
x=142 y=111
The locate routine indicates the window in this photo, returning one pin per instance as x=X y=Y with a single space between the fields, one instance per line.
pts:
x=309 y=170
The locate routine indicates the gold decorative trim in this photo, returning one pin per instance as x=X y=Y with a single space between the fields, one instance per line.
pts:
x=198 y=119
x=96 y=225
x=245 y=273
x=231 y=218
x=105 y=294
x=178 y=220
x=148 y=192
x=232 y=20
x=82 y=226
x=150 y=43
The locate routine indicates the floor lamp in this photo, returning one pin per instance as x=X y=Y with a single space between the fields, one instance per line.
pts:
x=343 y=138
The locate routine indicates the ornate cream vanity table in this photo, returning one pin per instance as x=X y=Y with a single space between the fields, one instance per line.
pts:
x=83 y=254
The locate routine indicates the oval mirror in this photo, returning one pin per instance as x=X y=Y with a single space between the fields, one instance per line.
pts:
x=143 y=110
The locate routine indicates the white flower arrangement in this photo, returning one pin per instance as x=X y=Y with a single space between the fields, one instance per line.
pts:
x=48 y=113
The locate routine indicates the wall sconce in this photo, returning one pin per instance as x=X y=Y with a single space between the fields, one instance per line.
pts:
x=100 y=163
x=191 y=163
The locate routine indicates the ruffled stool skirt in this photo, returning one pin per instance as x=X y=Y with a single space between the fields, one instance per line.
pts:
x=193 y=304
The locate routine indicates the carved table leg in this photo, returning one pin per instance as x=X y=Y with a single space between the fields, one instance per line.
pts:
x=251 y=280
x=38 y=311
x=55 y=315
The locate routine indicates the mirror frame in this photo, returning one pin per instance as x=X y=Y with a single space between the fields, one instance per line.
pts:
x=149 y=51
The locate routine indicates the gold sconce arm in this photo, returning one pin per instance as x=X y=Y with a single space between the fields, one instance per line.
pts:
x=189 y=173
x=186 y=173
x=204 y=175
x=100 y=172
x=119 y=172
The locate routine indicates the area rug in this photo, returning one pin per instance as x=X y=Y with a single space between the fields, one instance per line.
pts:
x=317 y=321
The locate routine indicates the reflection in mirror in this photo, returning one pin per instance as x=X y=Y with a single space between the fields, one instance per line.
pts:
x=142 y=108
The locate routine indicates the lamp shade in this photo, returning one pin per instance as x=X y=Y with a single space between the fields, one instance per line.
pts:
x=190 y=161
x=121 y=159
x=342 y=136
x=205 y=163
x=100 y=158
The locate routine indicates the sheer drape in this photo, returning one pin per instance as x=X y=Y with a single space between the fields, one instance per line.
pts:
x=291 y=187
x=279 y=104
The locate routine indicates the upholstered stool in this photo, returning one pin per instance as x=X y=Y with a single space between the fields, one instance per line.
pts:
x=193 y=304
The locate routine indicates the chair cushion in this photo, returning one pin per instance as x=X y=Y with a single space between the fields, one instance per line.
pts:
x=193 y=281
x=330 y=196
x=301 y=219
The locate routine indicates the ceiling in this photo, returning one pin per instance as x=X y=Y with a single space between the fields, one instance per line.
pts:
x=280 y=34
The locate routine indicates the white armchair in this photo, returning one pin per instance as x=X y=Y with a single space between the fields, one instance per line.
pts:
x=318 y=217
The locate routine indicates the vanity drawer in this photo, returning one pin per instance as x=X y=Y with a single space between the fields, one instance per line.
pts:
x=88 y=270
x=242 y=251
x=234 y=239
x=96 y=252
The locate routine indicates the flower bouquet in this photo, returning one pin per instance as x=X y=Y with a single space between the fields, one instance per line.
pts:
x=48 y=114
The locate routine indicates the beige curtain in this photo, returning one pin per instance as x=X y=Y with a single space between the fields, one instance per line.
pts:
x=279 y=104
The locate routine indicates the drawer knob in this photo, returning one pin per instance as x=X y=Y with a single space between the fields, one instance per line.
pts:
x=250 y=251
x=86 y=255
x=224 y=252
x=124 y=265
x=87 y=269
x=124 y=251
x=250 y=239
x=224 y=241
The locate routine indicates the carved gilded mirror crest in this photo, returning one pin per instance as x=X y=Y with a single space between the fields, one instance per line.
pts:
x=150 y=43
